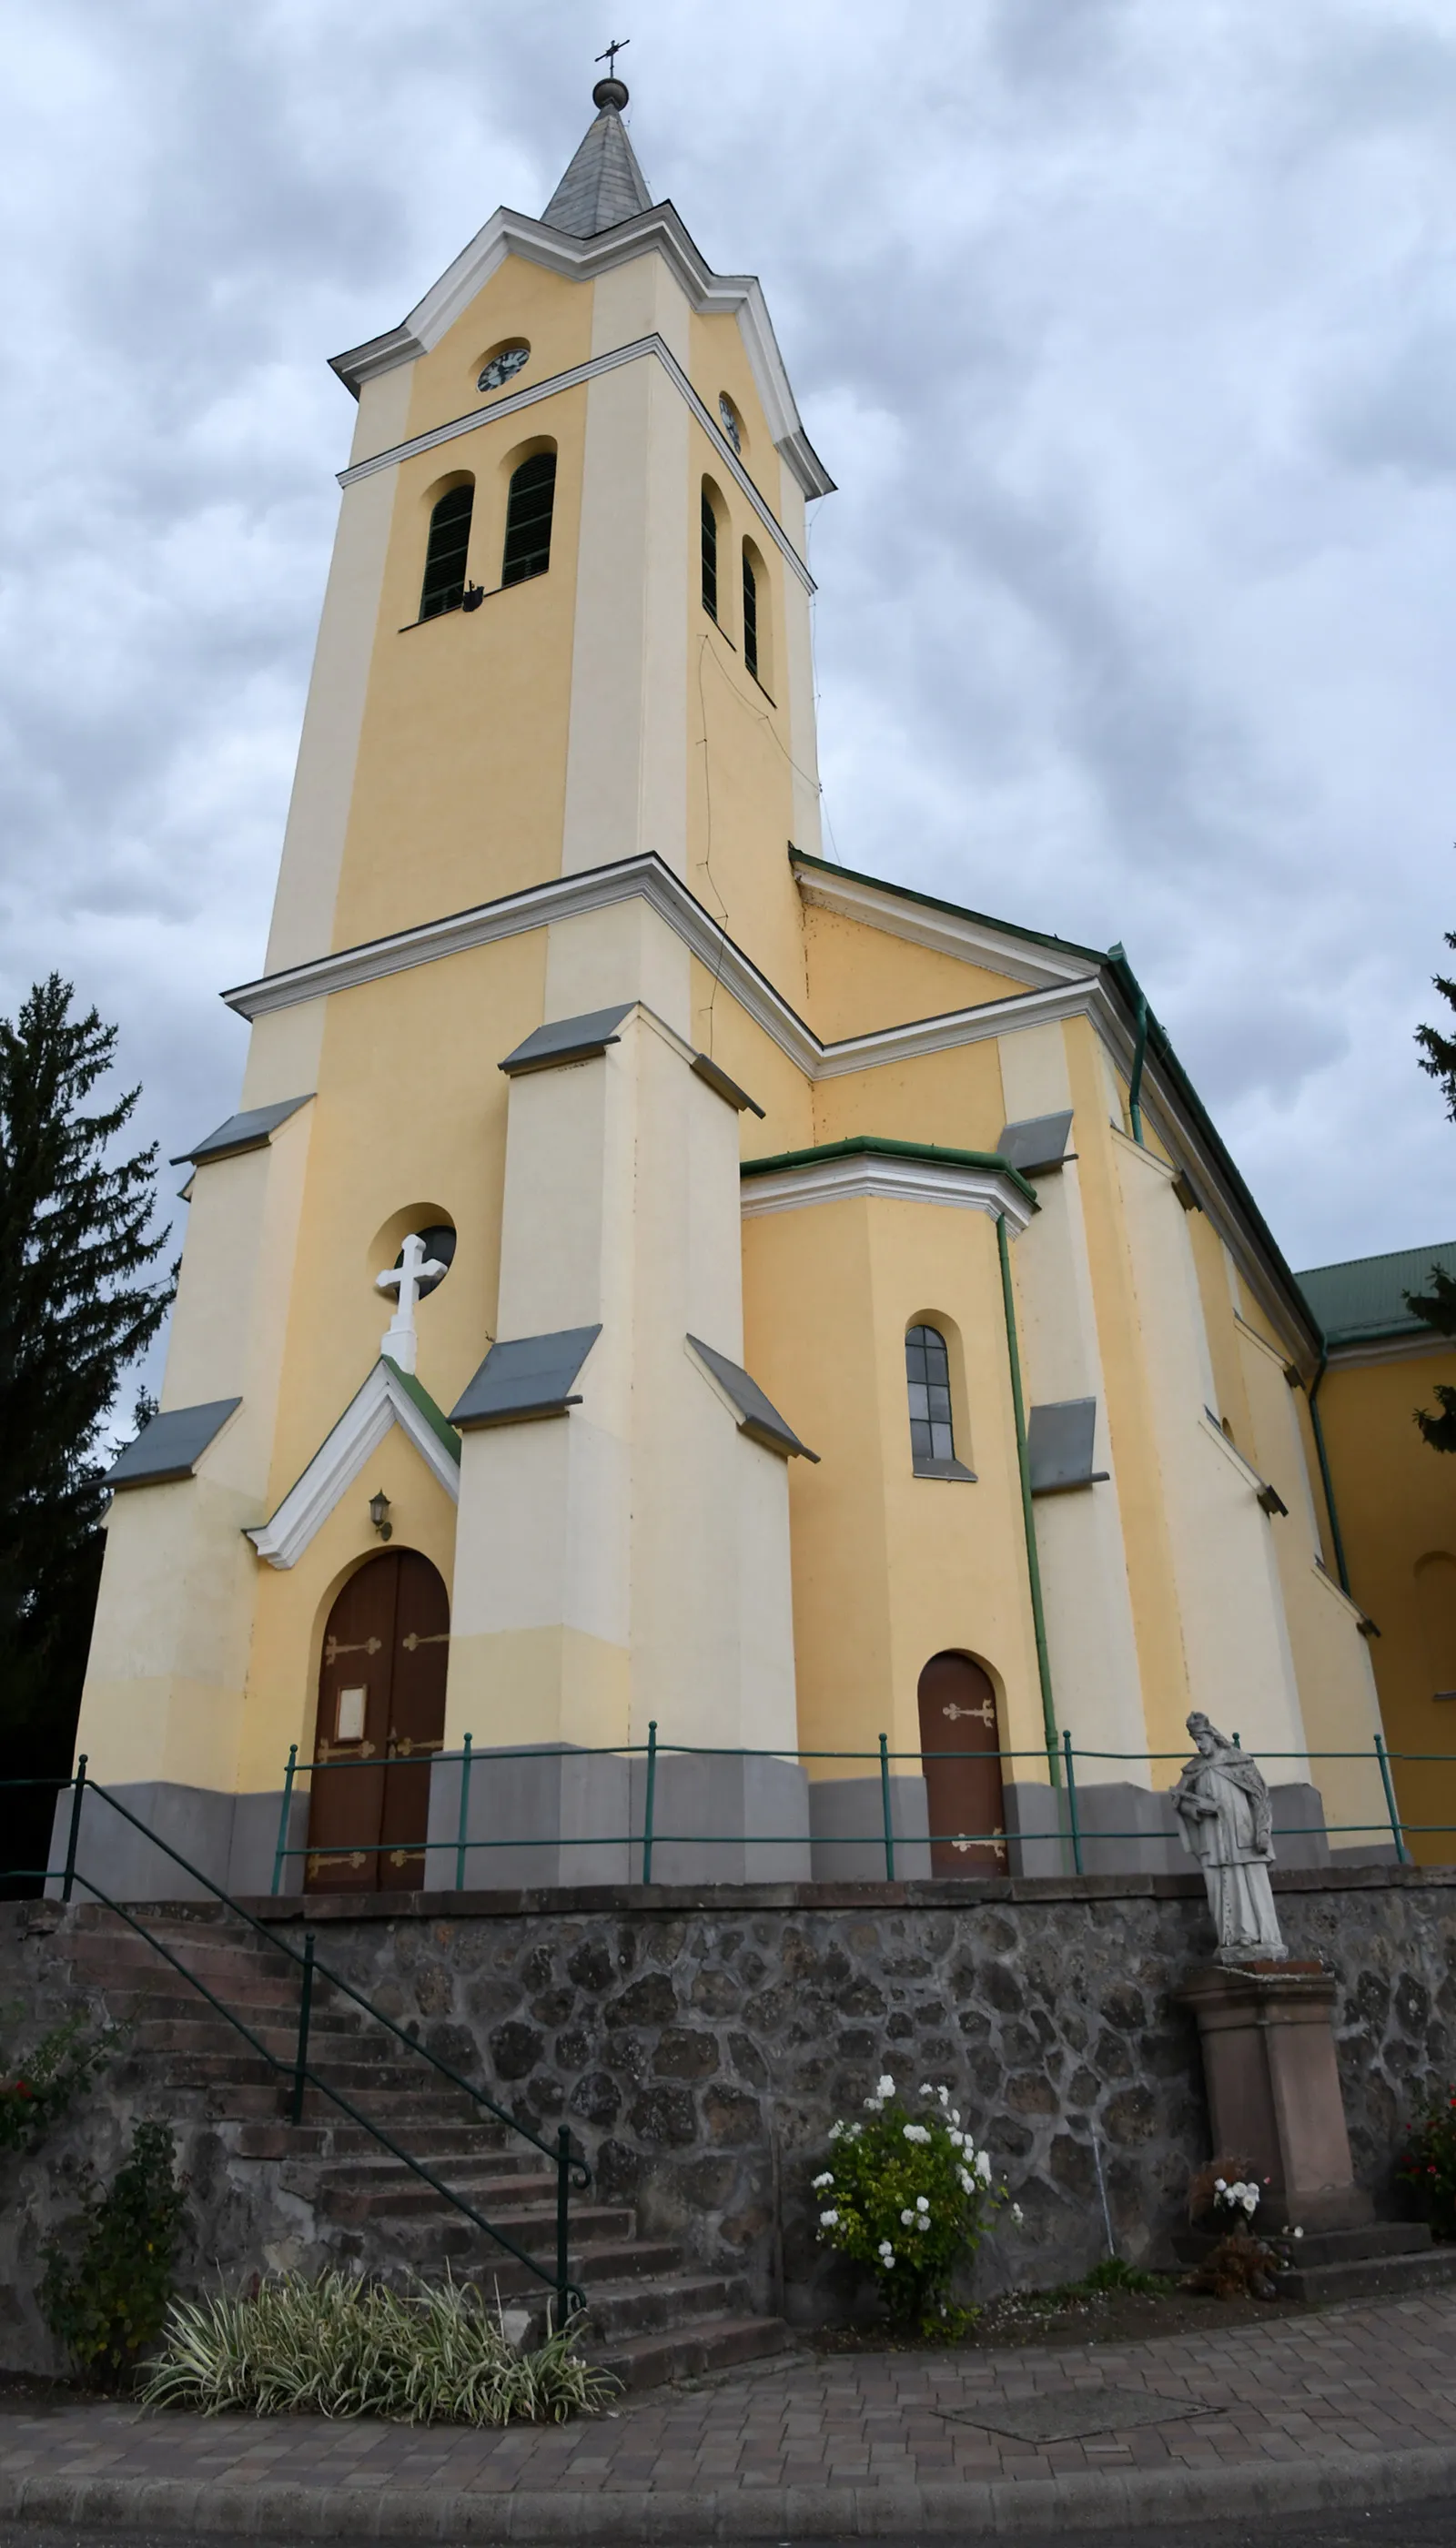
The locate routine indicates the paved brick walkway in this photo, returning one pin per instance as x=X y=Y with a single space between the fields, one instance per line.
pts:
x=1358 y=2404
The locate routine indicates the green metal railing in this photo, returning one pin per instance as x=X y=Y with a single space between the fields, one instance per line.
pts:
x=571 y=2170
x=642 y=1843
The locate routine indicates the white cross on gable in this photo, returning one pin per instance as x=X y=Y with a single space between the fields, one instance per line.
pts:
x=413 y=1269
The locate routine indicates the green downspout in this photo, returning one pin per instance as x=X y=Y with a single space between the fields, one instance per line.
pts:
x=1324 y=1457
x=1118 y=957
x=1033 y=1570
x=1134 y=1084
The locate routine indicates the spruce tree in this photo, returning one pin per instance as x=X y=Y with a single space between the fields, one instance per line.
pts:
x=1437 y=1307
x=77 y=1305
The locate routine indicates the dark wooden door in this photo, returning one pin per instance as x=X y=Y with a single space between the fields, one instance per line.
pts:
x=957 y=1716
x=381 y=1715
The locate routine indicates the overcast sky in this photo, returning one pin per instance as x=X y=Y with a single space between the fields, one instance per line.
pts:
x=1126 y=327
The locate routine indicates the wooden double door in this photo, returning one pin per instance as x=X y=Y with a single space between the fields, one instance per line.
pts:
x=957 y=1716
x=381 y=1716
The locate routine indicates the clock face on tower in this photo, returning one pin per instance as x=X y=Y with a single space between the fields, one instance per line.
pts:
x=503 y=367
x=731 y=425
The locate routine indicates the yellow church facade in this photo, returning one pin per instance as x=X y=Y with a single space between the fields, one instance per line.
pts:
x=659 y=1288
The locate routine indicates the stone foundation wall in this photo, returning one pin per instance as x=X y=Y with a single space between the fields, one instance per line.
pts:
x=700 y=2043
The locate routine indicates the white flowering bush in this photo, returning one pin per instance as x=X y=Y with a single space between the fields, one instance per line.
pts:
x=909 y=2195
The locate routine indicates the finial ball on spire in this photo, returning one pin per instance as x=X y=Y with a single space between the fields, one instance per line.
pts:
x=611 y=92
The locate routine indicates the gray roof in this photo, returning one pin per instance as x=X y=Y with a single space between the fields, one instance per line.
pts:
x=1037 y=1142
x=524 y=1377
x=171 y=1445
x=250 y=1131
x=604 y=184
x=1366 y=1297
x=1059 y=1441
x=708 y=1070
x=757 y=1416
x=567 y=1040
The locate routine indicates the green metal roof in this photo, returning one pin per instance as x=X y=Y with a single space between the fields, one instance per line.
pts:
x=879 y=1146
x=1366 y=1297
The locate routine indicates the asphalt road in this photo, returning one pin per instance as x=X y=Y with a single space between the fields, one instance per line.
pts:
x=1414 y=2526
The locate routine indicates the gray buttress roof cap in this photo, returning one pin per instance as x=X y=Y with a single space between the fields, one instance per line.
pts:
x=757 y=1416
x=1059 y=1440
x=171 y=1445
x=604 y=184
x=525 y=1376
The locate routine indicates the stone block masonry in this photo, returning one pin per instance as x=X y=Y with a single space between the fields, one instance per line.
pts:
x=699 y=2042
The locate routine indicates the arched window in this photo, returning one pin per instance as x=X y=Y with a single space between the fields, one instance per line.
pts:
x=528 y=509
x=750 y=615
x=928 y=1378
x=444 y=557
x=709 y=555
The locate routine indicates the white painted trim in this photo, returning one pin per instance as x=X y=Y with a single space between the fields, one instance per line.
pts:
x=1350 y=1607
x=536 y=907
x=1231 y=1451
x=383 y=1402
x=508 y=233
x=882 y=1176
x=595 y=888
x=638 y=351
x=924 y=1035
x=1424 y=1348
x=948 y=933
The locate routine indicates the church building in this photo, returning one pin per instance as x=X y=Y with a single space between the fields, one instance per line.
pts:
x=738 y=1349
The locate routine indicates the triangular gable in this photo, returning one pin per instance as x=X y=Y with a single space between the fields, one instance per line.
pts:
x=389 y=1397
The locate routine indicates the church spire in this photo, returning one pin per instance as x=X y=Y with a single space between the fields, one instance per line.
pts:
x=604 y=184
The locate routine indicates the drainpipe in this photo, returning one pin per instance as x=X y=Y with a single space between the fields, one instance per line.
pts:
x=1329 y=1503
x=1140 y=1048
x=1029 y=1524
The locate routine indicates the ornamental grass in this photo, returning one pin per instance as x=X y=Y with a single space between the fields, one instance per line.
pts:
x=337 y=2345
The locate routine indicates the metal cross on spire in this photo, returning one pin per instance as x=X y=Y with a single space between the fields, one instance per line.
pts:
x=617 y=46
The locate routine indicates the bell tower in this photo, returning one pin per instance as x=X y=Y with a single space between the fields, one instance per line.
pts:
x=559 y=737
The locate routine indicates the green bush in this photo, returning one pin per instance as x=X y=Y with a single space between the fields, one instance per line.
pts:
x=50 y=2078
x=338 y=2346
x=111 y=2301
x=1427 y=2163
x=910 y=2197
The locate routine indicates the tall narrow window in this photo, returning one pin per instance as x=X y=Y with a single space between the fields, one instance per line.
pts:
x=750 y=615
x=528 y=511
x=928 y=1378
x=709 y=555
x=444 y=557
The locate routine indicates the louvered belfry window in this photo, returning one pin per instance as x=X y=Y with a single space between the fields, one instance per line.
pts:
x=709 y=555
x=750 y=615
x=446 y=553
x=528 y=512
x=928 y=1379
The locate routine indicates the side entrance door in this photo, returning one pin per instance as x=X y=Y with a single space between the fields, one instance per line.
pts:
x=958 y=1716
x=381 y=1715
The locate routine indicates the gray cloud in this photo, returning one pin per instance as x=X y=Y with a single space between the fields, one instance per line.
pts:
x=1129 y=333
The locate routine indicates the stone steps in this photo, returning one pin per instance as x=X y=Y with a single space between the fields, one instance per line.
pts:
x=652 y=2314
x=1376 y=2260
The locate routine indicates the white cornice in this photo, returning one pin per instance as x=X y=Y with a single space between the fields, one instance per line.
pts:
x=382 y=1402
x=565 y=897
x=885 y=1177
x=948 y=933
x=1425 y=1346
x=562 y=898
x=641 y=349
x=661 y=229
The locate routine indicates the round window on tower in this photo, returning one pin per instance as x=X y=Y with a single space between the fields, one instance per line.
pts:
x=732 y=421
x=438 y=1241
x=502 y=365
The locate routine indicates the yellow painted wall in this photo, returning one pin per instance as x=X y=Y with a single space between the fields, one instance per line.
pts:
x=387 y=1139
x=862 y=978
x=952 y=1098
x=890 y=1569
x=1397 y=1504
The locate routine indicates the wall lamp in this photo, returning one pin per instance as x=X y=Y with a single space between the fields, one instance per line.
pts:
x=379 y=1514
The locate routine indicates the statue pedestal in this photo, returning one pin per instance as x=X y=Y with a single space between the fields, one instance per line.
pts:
x=1273 y=2088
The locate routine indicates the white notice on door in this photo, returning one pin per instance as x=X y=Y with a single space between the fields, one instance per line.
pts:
x=351 y=1715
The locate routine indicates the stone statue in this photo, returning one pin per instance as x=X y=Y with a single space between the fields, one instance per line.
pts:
x=1224 y=1819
